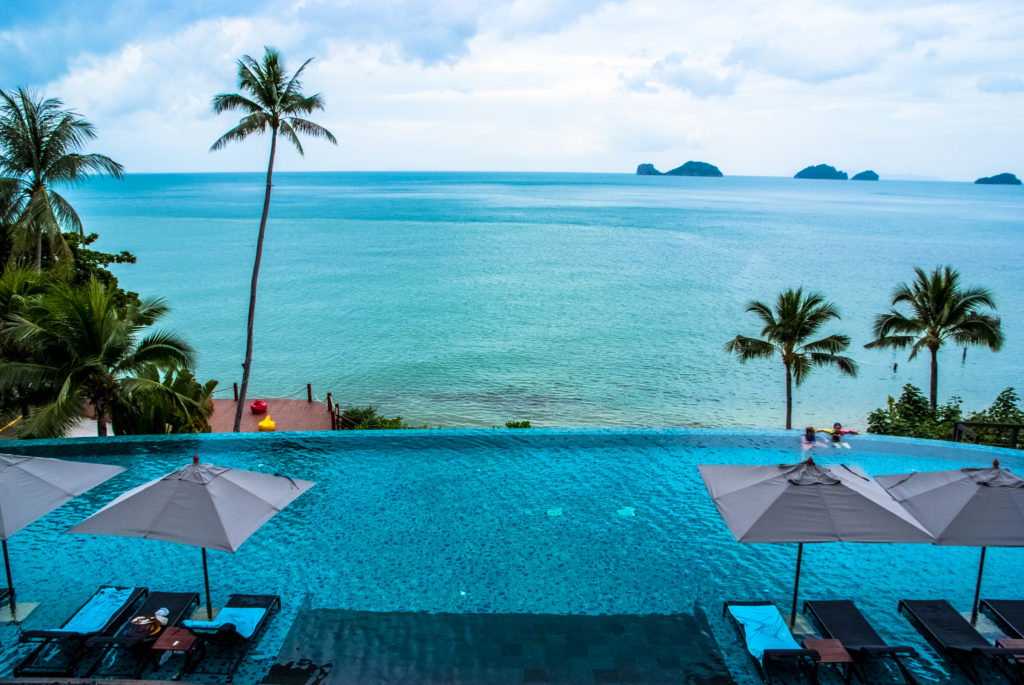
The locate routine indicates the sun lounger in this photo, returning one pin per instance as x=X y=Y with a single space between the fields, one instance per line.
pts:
x=124 y=652
x=58 y=651
x=229 y=635
x=842 y=620
x=768 y=640
x=954 y=636
x=1007 y=613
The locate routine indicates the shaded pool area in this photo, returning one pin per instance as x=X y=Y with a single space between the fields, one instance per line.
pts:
x=500 y=523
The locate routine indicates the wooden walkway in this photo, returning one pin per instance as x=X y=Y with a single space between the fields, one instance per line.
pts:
x=288 y=415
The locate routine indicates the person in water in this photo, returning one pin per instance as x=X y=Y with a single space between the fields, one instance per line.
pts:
x=837 y=432
x=809 y=439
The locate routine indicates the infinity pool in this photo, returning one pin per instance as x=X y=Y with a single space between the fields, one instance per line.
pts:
x=500 y=522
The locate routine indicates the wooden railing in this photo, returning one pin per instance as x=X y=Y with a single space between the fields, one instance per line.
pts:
x=1008 y=434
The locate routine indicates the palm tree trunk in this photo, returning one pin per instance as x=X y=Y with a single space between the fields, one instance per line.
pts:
x=252 y=292
x=101 y=418
x=789 y=398
x=39 y=249
x=933 y=393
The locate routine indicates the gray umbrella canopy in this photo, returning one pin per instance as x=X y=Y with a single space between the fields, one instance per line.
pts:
x=207 y=506
x=967 y=507
x=805 y=502
x=31 y=487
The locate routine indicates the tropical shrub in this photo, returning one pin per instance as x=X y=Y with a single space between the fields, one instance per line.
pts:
x=518 y=424
x=173 y=403
x=912 y=416
x=1005 y=410
x=367 y=418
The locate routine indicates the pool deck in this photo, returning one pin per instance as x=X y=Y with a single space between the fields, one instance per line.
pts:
x=287 y=414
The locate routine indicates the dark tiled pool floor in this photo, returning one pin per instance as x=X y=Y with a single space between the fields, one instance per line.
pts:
x=334 y=646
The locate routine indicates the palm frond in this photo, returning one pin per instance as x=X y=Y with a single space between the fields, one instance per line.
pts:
x=750 y=348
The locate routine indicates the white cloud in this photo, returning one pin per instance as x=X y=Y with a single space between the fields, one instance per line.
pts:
x=576 y=85
x=673 y=72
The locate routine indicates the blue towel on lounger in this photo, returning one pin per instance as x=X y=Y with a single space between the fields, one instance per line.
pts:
x=244 y=619
x=98 y=610
x=764 y=628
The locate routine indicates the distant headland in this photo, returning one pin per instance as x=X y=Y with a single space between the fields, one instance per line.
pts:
x=868 y=175
x=1000 y=179
x=691 y=168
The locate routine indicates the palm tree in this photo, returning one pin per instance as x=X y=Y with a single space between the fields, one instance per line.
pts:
x=83 y=349
x=39 y=147
x=173 y=403
x=940 y=310
x=795 y=318
x=274 y=102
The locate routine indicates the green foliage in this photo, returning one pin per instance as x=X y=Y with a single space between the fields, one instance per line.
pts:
x=1006 y=410
x=75 y=347
x=40 y=147
x=175 y=403
x=518 y=424
x=367 y=418
x=912 y=416
x=92 y=264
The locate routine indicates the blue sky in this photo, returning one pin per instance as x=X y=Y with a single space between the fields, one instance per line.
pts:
x=913 y=88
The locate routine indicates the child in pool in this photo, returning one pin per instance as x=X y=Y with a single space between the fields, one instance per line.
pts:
x=809 y=439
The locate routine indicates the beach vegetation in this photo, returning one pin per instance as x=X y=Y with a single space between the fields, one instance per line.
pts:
x=1005 y=411
x=270 y=101
x=163 y=401
x=787 y=329
x=92 y=264
x=518 y=424
x=940 y=311
x=41 y=145
x=367 y=418
x=913 y=416
x=75 y=348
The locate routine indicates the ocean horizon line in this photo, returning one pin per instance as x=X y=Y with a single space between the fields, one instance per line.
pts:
x=901 y=178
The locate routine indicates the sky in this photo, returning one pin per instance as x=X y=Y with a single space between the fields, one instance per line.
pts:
x=910 y=89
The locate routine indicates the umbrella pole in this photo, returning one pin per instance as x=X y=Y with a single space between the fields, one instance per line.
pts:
x=7 y=564
x=977 y=589
x=796 y=584
x=206 y=579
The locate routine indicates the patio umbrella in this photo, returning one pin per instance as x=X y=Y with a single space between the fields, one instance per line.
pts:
x=805 y=503
x=965 y=507
x=31 y=487
x=202 y=505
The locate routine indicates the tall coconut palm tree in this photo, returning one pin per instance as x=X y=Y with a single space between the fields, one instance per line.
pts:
x=272 y=102
x=40 y=145
x=795 y=318
x=82 y=347
x=940 y=310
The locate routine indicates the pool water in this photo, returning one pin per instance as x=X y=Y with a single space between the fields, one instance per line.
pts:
x=582 y=522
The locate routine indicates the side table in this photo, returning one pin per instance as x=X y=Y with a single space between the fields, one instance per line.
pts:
x=177 y=640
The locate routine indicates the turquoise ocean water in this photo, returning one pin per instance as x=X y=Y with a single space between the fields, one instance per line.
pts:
x=469 y=299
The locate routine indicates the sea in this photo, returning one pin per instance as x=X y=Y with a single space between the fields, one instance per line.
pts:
x=563 y=299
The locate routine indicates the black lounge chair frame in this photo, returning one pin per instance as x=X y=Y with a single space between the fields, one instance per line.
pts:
x=953 y=636
x=180 y=605
x=1008 y=614
x=74 y=645
x=226 y=639
x=842 y=620
x=806 y=660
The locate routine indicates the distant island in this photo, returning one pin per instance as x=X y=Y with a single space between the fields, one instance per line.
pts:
x=822 y=171
x=691 y=168
x=1000 y=180
x=868 y=175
